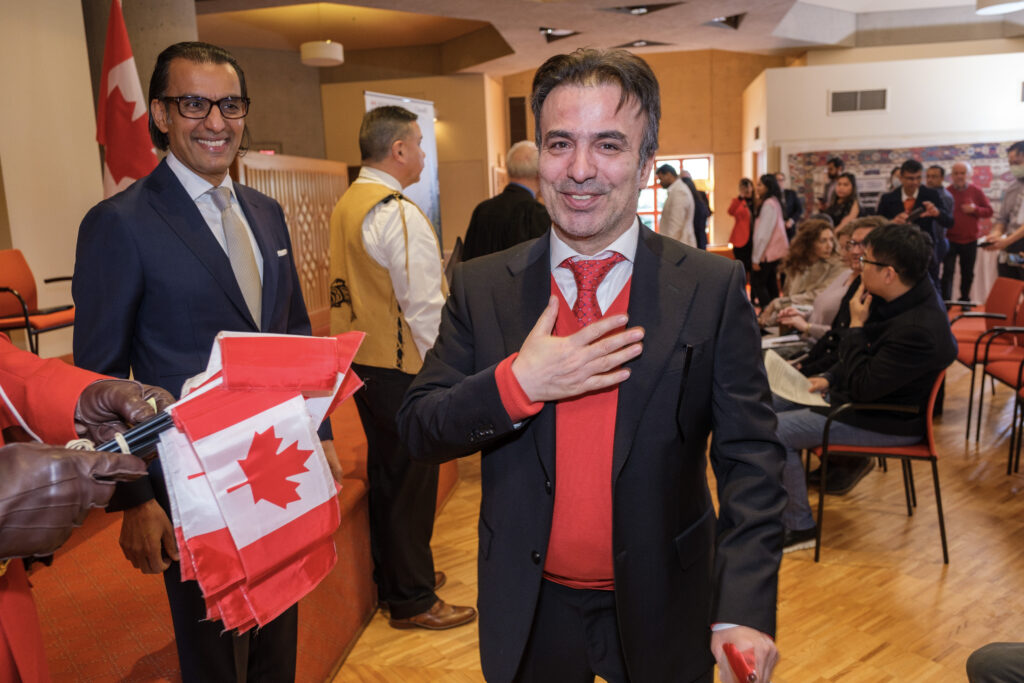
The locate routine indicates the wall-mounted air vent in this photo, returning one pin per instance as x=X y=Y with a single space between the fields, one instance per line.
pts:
x=856 y=100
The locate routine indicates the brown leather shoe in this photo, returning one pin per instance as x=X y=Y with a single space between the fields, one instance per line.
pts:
x=439 y=579
x=437 y=618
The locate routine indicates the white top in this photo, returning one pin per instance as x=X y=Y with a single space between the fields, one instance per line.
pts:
x=612 y=283
x=418 y=290
x=199 y=190
x=677 y=214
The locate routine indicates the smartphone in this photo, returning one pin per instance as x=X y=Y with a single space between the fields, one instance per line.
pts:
x=915 y=214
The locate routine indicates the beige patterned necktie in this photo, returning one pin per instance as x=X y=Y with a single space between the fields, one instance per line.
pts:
x=243 y=262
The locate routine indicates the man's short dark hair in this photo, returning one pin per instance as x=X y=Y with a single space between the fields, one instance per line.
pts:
x=1017 y=147
x=936 y=167
x=197 y=53
x=380 y=128
x=904 y=247
x=837 y=162
x=911 y=166
x=667 y=168
x=590 y=67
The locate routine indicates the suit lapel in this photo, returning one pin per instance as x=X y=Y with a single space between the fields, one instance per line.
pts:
x=170 y=201
x=260 y=221
x=659 y=298
x=530 y=273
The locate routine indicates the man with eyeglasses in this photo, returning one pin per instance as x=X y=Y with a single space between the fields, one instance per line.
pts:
x=897 y=343
x=160 y=269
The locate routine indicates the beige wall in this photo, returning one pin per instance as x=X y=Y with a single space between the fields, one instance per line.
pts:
x=701 y=112
x=48 y=152
x=463 y=139
x=496 y=111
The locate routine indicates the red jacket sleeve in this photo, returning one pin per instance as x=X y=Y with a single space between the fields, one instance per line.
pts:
x=44 y=392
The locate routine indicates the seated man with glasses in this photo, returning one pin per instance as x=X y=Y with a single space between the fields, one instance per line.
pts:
x=897 y=343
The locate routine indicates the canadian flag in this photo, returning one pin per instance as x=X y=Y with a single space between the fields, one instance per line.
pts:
x=252 y=498
x=122 y=126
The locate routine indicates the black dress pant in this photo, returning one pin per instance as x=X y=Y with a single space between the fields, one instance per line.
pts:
x=575 y=636
x=968 y=254
x=402 y=498
x=764 y=283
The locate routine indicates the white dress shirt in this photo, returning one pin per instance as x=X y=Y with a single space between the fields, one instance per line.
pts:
x=418 y=288
x=612 y=283
x=677 y=214
x=199 y=190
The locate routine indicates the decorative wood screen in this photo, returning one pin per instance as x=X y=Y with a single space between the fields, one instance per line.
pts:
x=307 y=190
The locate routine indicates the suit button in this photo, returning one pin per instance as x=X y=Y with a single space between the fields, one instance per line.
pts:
x=535 y=556
x=547 y=487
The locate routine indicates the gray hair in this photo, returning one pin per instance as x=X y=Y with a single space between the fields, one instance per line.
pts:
x=522 y=160
x=380 y=128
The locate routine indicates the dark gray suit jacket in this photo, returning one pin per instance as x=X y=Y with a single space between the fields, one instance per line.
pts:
x=677 y=568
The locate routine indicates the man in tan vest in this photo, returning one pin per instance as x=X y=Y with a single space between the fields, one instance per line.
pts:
x=387 y=281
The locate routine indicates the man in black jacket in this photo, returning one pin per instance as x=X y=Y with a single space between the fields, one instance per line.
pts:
x=513 y=216
x=792 y=206
x=898 y=342
x=922 y=206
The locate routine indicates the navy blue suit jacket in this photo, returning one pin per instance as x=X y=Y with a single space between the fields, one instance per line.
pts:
x=153 y=287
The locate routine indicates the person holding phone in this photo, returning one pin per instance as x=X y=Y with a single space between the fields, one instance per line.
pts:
x=900 y=204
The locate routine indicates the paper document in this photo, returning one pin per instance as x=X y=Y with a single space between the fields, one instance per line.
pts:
x=787 y=382
x=771 y=342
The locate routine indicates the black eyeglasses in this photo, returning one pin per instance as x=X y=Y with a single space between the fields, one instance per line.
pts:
x=196 y=107
x=853 y=244
x=865 y=259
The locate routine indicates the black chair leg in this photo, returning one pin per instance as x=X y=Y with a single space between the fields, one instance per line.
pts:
x=906 y=487
x=910 y=476
x=938 y=505
x=1014 y=446
x=970 y=403
x=981 y=405
x=821 y=504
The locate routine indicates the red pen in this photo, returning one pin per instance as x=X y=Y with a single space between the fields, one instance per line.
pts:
x=741 y=663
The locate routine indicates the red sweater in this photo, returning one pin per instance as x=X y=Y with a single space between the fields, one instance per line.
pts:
x=965 y=225
x=579 y=551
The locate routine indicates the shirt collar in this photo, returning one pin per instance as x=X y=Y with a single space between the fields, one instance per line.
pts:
x=903 y=193
x=532 y=193
x=375 y=175
x=625 y=245
x=194 y=185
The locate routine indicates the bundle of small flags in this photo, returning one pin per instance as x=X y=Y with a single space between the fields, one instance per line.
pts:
x=253 y=502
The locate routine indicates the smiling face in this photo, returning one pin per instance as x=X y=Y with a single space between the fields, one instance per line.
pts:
x=910 y=182
x=206 y=146
x=591 y=172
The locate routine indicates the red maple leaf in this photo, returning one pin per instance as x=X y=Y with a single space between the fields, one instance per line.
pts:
x=129 y=151
x=267 y=470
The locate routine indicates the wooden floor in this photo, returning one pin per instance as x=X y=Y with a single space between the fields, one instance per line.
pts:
x=879 y=607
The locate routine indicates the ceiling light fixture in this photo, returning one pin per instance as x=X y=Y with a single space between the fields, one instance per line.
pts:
x=641 y=10
x=322 y=53
x=732 y=22
x=553 y=34
x=641 y=43
x=989 y=7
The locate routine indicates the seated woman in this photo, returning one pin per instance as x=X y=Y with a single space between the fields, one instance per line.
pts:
x=817 y=324
x=844 y=207
x=810 y=267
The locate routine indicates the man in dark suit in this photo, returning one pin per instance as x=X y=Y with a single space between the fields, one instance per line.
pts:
x=792 y=206
x=160 y=269
x=600 y=553
x=914 y=203
x=513 y=216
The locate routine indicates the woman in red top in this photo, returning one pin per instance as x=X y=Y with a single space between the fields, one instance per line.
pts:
x=741 y=210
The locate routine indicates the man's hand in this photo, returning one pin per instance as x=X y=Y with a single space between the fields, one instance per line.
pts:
x=755 y=267
x=930 y=210
x=111 y=406
x=147 y=538
x=901 y=218
x=817 y=385
x=766 y=655
x=332 y=459
x=999 y=244
x=550 y=368
x=46 y=491
x=860 y=306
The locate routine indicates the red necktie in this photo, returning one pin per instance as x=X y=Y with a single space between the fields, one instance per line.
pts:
x=908 y=204
x=588 y=275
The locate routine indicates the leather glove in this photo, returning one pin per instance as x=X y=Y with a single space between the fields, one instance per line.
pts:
x=111 y=406
x=46 y=491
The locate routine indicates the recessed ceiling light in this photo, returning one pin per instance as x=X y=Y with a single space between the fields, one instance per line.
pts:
x=553 y=34
x=641 y=43
x=641 y=10
x=732 y=21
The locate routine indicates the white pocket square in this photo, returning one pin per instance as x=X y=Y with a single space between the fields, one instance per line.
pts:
x=282 y=252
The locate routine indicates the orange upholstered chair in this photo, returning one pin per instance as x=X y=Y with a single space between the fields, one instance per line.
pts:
x=974 y=329
x=18 y=304
x=924 y=451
